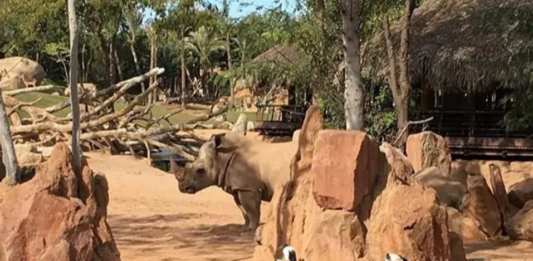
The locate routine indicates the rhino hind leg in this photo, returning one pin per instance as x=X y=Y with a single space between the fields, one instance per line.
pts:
x=243 y=211
x=251 y=202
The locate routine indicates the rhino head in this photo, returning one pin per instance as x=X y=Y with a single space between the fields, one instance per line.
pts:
x=202 y=172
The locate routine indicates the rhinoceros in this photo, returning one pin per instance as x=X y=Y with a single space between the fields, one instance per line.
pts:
x=247 y=169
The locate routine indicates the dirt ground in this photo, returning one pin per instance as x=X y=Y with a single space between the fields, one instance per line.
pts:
x=152 y=220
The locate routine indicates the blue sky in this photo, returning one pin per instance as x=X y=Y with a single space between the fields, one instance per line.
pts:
x=238 y=9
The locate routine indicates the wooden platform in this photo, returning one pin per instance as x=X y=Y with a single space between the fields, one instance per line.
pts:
x=471 y=133
x=279 y=120
x=506 y=147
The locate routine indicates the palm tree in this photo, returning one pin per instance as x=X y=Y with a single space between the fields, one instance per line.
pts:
x=203 y=42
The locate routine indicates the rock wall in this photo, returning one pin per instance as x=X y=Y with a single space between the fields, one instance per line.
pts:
x=57 y=215
x=350 y=199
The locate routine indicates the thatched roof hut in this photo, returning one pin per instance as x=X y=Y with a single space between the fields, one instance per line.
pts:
x=271 y=66
x=280 y=53
x=465 y=44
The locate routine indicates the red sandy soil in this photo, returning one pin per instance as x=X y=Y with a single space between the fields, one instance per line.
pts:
x=152 y=220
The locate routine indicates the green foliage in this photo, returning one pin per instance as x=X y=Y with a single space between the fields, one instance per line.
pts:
x=203 y=43
x=199 y=30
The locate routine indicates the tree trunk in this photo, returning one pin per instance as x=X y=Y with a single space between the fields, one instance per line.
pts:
x=118 y=65
x=105 y=58
x=112 y=69
x=74 y=100
x=354 y=91
x=136 y=62
x=9 y=157
x=157 y=90
x=404 y=81
x=152 y=65
x=231 y=90
x=83 y=68
x=399 y=73
x=65 y=70
x=183 y=80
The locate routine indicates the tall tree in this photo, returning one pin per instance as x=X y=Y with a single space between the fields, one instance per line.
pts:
x=183 y=53
x=73 y=79
x=152 y=35
x=228 y=28
x=131 y=14
x=354 y=90
x=399 y=71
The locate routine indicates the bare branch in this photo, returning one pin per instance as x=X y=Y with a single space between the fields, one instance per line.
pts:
x=407 y=126
x=33 y=89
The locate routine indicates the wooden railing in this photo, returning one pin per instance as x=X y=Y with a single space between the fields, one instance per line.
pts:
x=468 y=124
x=279 y=119
x=281 y=113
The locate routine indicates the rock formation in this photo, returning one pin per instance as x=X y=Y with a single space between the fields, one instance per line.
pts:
x=350 y=199
x=23 y=70
x=57 y=215
x=428 y=149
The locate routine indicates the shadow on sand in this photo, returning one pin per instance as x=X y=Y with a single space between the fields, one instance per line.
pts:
x=504 y=250
x=173 y=239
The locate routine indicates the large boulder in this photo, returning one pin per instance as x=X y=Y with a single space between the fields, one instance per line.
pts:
x=401 y=168
x=415 y=227
x=521 y=192
x=295 y=202
x=338 y=235
x=520 y=226
x=30 y=72
x=481 y=206
x=427 y=149
x=450 y=191
x=467 y=228
x=343 y=186
x=27 y=155
x=56 y=215
x=11 y=81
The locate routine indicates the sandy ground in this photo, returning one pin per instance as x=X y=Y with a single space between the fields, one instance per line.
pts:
x=152 y=220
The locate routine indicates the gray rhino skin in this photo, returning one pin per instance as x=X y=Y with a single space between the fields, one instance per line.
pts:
x=245 y=168
x=449 y=191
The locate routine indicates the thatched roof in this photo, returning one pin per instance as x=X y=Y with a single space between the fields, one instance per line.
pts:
x=465 y=44
x=280 y=53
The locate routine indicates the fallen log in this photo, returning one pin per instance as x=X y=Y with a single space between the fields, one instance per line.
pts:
x=132 y=129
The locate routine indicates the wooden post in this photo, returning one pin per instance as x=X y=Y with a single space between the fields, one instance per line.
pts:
x=74 y=100
x=8 y=149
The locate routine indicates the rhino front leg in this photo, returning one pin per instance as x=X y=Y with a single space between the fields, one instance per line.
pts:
x=243 y=211
x=251 y=202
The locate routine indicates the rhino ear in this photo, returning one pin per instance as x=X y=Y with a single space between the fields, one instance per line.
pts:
x=218 y=141
x=177 y=170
